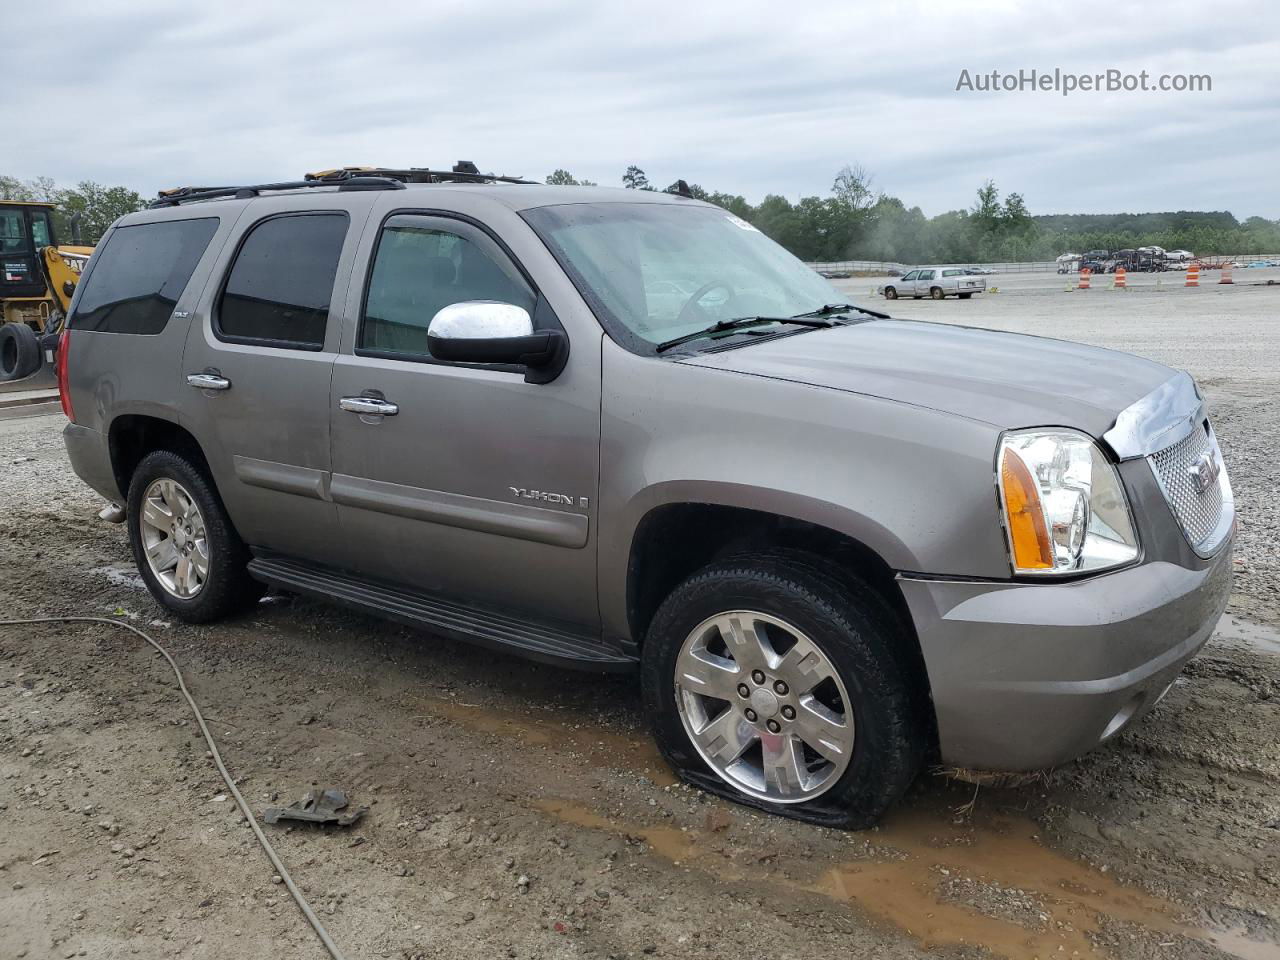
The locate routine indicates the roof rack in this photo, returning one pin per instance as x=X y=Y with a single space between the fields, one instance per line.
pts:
x=180 y=195
x=464 y=171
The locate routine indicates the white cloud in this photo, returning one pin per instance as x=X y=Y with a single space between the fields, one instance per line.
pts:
x=735 y=97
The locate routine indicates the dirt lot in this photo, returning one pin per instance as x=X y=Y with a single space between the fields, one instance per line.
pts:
x=517 y=811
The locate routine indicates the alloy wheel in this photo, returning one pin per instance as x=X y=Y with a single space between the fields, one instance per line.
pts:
x=174 y=538
x=764 y=706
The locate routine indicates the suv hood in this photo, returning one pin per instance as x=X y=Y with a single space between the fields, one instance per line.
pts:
x=1009 y=380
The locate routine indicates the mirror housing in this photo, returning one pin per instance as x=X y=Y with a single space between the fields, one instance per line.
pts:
x=488 y=331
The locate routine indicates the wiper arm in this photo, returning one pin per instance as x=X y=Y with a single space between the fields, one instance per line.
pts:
x=721 y=326
x=830 y=308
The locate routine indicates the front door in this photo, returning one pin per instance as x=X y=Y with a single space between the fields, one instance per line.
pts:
x=479 y=486
x=257 y=367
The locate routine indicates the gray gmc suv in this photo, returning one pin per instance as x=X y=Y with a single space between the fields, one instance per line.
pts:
x=622 y=430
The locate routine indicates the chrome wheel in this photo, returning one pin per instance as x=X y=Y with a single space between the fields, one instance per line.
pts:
x=764 y=707
x=174 y=539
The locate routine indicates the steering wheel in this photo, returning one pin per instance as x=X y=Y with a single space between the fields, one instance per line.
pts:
x=702 y=291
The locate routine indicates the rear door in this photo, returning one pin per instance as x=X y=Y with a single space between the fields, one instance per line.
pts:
x=481 y=485
x=257 y=367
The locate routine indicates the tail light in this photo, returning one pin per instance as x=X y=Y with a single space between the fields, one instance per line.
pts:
x=60 y=371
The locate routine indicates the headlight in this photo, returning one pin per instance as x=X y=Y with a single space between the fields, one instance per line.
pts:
x=1064 y=508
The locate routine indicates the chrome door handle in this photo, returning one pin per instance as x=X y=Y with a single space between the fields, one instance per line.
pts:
x=208 y=381
x=369 y=405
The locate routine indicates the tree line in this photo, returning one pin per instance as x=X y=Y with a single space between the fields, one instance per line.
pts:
x=98 y=206
x=854 y=221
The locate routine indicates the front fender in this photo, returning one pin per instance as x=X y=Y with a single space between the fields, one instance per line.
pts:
x=914 y=485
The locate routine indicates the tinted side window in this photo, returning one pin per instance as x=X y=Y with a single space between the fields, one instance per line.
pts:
x=420 y=269
x=139 y=275
x=279 y=287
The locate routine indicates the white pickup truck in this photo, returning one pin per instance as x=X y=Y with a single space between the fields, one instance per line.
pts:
x=934 y=282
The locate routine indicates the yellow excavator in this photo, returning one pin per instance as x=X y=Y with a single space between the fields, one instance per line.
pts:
x=37 y=279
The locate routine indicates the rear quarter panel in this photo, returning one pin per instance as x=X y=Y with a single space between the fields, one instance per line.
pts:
x=114 y=374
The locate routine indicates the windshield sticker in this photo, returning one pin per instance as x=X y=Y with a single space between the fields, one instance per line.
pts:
x=739 y=222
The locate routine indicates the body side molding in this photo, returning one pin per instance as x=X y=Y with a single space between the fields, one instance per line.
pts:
x=559 y=528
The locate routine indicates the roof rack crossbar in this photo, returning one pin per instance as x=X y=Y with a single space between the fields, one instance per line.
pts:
x=462 y=172
x=180 y=195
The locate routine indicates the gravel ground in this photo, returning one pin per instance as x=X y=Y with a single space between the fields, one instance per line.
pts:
x=481 y=771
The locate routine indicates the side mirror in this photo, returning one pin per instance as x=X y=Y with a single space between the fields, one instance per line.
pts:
x=487 y=331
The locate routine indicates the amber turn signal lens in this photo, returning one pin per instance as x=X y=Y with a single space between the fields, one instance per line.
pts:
x=1028 y=533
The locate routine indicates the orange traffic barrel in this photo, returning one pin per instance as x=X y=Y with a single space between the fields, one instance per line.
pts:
x=1120 y=278
x=1085 y=274
x=1226 y=274
x=1193 y=275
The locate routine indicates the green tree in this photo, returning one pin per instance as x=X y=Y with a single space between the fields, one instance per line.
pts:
x=986 y=211
x=1015 y=211
x=11 y=188
x=634 y=179
x=99 y=206
x=564 y=178
x=695 y=190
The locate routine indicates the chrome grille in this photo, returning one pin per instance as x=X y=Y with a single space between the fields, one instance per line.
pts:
x=1198 y=513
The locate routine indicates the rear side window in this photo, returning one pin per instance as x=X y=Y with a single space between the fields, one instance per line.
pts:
x=280 y=286
x=139 y=274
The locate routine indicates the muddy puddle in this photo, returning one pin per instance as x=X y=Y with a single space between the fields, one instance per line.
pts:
x=912 y=857
x=605 y=748
x=1243 y=633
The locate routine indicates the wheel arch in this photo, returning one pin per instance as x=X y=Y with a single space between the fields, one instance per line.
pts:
x=674 y=540
x=130 y=437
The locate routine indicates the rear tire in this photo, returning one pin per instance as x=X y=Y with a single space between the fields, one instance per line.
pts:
x=19 y=352
x=188 y=553
x=865 y=762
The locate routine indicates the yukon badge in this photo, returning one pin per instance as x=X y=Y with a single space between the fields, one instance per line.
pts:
x=546 y=497
x=1205 y=472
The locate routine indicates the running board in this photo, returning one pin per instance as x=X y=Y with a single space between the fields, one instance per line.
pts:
x=541 y=641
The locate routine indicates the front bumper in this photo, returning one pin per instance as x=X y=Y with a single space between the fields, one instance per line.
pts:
x=1030 y=675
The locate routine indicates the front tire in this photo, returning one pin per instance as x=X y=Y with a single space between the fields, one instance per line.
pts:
x=936 y=293
x=773 y=684
x=890 y=293
x=186 y=549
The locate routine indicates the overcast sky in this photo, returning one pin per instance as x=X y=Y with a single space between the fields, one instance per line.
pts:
x=746 y=98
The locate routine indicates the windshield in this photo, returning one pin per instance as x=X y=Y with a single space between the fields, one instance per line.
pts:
x=653 y=272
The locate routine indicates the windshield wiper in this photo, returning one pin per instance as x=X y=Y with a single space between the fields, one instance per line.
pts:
x=722 y=326
x=831 y=308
